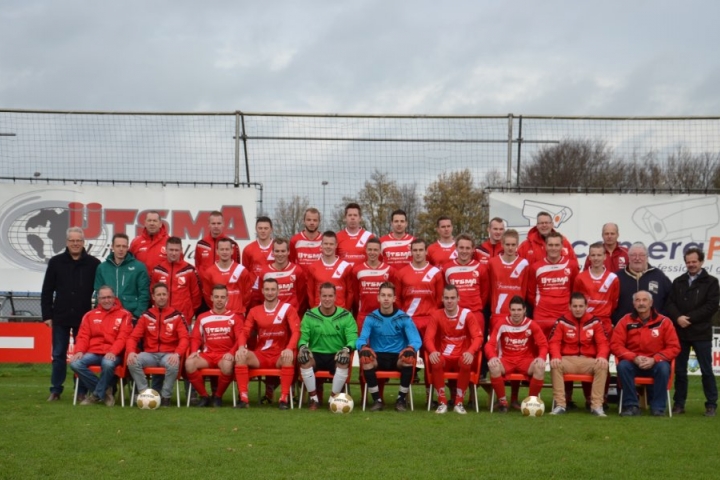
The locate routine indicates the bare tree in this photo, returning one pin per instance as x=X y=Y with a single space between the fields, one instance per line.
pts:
x=288 y=218
x=378 y=198
x=411 y=202
x=686 y=171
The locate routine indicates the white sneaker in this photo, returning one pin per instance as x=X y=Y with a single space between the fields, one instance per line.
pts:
x=459 y=409
x=442 y=408
x=558 y=410
x=598 y=412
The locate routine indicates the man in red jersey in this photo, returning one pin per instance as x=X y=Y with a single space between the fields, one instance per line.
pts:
x=226 y=271
x=351 y=241
x=259 y=254
x=443 y=250
x=305 y=246
x=367 y=278
x=469 y=277
x=330 y=268
x=550 y=284
x=395 y=245
x=616 y=256
x=453 y=339
x=508 y=277
x=600 y=286
x=492 y=247
x=206 y=248
x=164 y=336
x=421 y=287
x=181 y=279
x=213 y=345
x=278 y=331
x=516 y=345
x=533 y=248
x=149 y=246
x=291 y=278
x=578 y=344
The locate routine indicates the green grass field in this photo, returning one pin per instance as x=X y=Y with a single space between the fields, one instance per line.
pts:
x=57 y=440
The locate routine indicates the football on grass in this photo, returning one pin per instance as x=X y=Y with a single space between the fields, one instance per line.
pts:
x=148 y=399
x=532 y=407
x=341 y=403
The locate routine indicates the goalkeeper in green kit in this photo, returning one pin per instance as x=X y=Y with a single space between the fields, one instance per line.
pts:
x=327 y=339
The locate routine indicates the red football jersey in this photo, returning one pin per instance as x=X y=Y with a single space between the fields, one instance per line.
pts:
x=506 y=281
x=183 y=286
x=487 y=250
x=238 y=280
x=216 y=332
x=206 y=253
x=366 y=286
x=255 y=258
x=396 y=252
x=304 y=251
x=549 y=288
x=352 y=247
x=421 y=289
x=438 y=254
x=516 y=341
x=291 y=280
x=472 y=281
x=453 y=336
x=602 y=293
x=339 y=273
x=277 y=329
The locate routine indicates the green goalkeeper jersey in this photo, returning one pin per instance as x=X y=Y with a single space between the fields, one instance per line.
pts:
x=328 y=333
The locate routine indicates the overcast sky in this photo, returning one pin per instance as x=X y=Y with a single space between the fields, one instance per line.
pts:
x=475 y=57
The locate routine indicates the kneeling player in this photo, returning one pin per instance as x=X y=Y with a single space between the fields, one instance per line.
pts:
x=327 y=337
x=213 y=344
x=516 y=345
x=393 y=335
x=278 y=331
x=453 y=338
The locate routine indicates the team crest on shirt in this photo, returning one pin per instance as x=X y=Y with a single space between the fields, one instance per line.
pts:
x=475 y=273
x=162 y=250
x=118 y=322
x=292 y=278
x=169 y=327
x=655 y=332
x=567 y=271
x=654 y=287
x=589 y=333
x=528 y=332
x=181 y=280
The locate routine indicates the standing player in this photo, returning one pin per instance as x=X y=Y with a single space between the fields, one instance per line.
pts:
x=237 y=279
x=389 y=342
x=533 y=248
x=213 y=345
x=550 y=284
x=443 y=250
x=616 y=256
x=516 y=345
x=330 y=269
x=421 y=287
x=492 y=247
x=181 y=279
x=367 y=278
x=149 y=246
x=278 y=332
x=351 y=241
x=600 y=286
x=452 y=340
x=259 y=254
x=305 y=246
x=469 y=278
x=206 y=248
x=327 y=337
x=289 y=277
x=395 y=245
x=508 y=277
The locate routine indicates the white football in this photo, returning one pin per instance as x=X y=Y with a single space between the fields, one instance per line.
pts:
x=341 y=403
x=532 y=407
x=148 y=399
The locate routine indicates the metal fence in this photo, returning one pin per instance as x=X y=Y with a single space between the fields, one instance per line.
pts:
x=20 y=307
x=321 y=157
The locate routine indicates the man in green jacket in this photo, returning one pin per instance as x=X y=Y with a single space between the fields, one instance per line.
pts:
x=127 y=276
x=327 y=339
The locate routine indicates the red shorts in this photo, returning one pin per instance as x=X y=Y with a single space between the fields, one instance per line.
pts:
x=452 y=364
x=516 y=365
x=212 y=358
x=267 y=358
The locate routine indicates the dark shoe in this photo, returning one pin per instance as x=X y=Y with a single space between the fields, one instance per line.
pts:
x=516 y=405
x=203 y=402
x=400 y=406
x=265 y=400
x=91 y=399
x=81 y=397
x=283 y=406
x=314 y=405
x=217 y=402
x=678 y=409
x=631 y=412
x=658 y=413
x=165 y=402
x=571 y=406
x=242 y=404
x=502 y=406
x=434 y=404
x=710 y=411
x=109 y=397
x=377 y=406
x=54 y=397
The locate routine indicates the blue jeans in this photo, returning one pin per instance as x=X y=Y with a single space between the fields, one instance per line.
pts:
x=146 y=359
x=60 y=342
x=703 y=352
x=88 y=378
x=660 y=372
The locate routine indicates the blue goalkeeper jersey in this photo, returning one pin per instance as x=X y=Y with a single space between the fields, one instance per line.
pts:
x=389 y=333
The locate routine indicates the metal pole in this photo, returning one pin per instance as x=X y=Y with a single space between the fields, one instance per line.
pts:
x=245 y=151
x=509 y=149
x=324 y=212
x=237 y=149
x=520 y=140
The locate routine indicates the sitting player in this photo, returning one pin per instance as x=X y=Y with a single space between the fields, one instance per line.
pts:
x=327 y=338
x=453 y=339
x=516 y=345
x=278 y=331
x=388 y=342
x=213 y=344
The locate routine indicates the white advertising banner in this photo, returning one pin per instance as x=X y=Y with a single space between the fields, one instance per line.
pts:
x=666 y=224
x=34 y=219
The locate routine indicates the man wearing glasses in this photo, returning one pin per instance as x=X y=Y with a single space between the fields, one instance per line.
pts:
x=533 y=248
